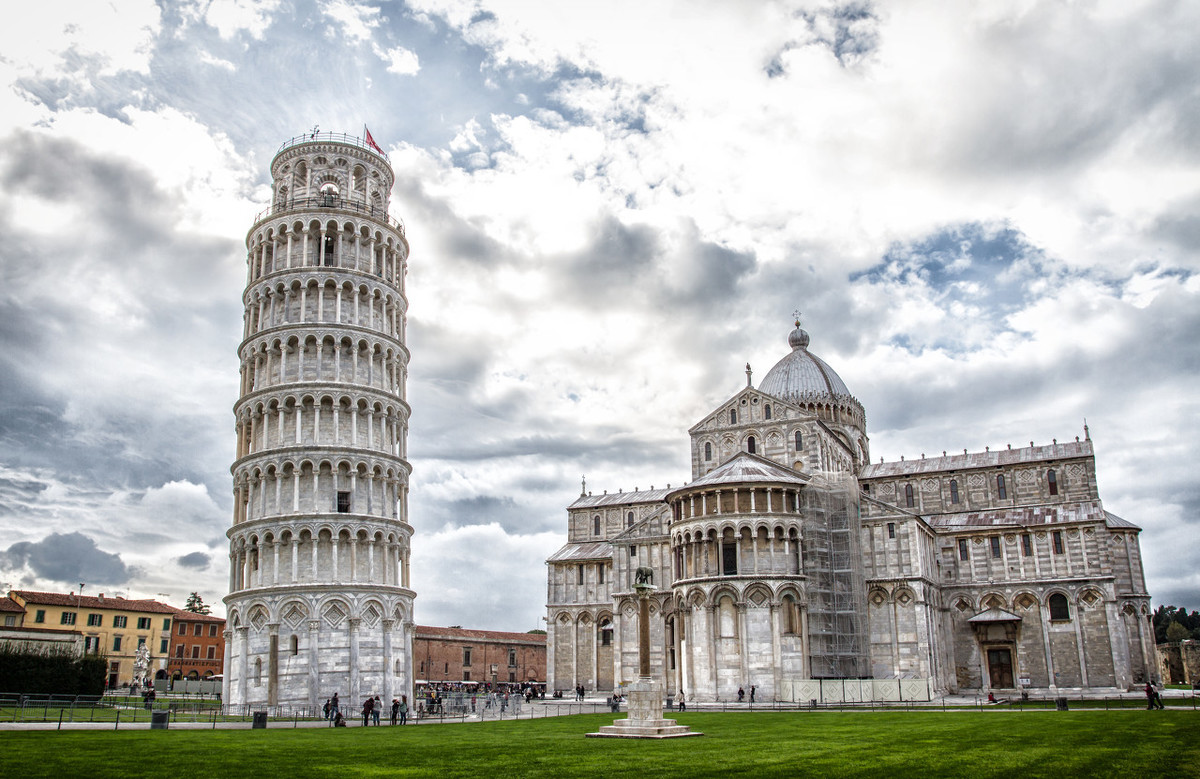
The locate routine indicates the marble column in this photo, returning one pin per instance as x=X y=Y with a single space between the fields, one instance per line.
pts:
x=353 y=624
x=388 y=671
x=314 y=667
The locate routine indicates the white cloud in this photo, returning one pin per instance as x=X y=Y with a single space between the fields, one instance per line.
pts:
x=400 y=60
x=356 y=21
x=229 y=17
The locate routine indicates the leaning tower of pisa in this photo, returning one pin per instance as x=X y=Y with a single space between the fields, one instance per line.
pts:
x=319 y=597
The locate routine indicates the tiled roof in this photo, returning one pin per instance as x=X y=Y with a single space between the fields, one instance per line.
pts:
x=959 y=462
x=589 y=550
x=745 y=467
x=1021 y=516
x=92 y=602
x=1112 y=520
x=424 y=631
x=994 y=615
x=8 y=604
x=634 y=498
x=191 y=616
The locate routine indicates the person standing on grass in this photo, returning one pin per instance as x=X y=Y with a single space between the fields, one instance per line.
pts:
x=403 y=709
x=376 y=710
x=368 y=704
x=325 y=709
x=395 y=709
x=333 y=705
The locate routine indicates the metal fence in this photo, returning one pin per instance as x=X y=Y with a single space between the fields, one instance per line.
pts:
x=57 y=710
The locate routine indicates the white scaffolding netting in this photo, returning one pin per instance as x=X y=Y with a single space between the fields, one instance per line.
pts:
x=836 y=584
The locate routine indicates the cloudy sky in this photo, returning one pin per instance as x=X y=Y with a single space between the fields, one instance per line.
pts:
x=986 y=212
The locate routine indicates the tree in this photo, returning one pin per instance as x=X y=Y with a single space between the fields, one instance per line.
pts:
x=1177 y=632
x=196 y=604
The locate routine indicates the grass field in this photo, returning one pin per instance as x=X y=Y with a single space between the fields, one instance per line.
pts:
x=926 y=744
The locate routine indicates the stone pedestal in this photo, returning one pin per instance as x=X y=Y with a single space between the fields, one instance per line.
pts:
x=645 y=698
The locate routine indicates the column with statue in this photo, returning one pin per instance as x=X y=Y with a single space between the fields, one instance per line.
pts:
x=645 y=696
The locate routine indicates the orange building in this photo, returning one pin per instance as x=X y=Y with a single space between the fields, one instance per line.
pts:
x=197 y=646
x=110 y=626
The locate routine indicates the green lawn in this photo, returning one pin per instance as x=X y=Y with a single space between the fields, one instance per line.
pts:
x=926 y=744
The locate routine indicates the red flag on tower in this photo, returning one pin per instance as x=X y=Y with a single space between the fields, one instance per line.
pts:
x=371 y=141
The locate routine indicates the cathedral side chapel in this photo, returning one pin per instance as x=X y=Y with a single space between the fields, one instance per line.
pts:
x=790 y=560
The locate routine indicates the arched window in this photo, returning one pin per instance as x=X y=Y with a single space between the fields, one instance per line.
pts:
x=750 y=445
x=258 y=672
x=1001 y=492
x=596 y=525
x=1059 y=610
x=707 y=450
x=767 y=411
x=799 y=440
x=1052 y=481
x=954 y=490
x=733 y=416
x=908 y=495
x=295 y=645
x=629 y=519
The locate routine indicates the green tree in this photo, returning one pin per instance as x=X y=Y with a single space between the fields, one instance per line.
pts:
x=1177 y=632
x=196 y=604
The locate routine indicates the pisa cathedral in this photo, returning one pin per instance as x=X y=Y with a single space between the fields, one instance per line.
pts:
x=319 y=597
x=790 y=557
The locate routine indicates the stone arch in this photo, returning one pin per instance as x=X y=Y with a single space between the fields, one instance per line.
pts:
x=993 y=600
x=334 y=612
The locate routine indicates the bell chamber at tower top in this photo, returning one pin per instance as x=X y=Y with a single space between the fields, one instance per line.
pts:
x=329 y=209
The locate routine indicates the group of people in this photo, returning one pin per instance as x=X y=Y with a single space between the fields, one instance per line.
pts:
x=372 y=710
x=742 y=693
x=1153 y=698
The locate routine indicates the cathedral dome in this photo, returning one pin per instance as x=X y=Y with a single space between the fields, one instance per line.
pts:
x=803 y=376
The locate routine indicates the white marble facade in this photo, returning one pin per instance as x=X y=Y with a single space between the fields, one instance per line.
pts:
x=319 y=596
x=789 y=556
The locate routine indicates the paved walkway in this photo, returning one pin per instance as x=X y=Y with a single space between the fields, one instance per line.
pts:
x=552 y=708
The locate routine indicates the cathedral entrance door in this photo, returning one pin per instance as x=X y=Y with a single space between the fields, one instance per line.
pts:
x=1000 y=668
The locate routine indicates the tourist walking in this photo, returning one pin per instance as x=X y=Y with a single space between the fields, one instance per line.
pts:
x=741 y=695
x=681 y=700
x=368 y=705
x=333 y=705
x=752 y=689
x=1153 y=697
x=395 y=709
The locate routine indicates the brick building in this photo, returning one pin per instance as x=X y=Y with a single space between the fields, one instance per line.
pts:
x=487 y=656
x=197 y=646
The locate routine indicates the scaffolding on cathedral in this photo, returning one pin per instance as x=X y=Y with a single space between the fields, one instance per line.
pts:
x=836 y=582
